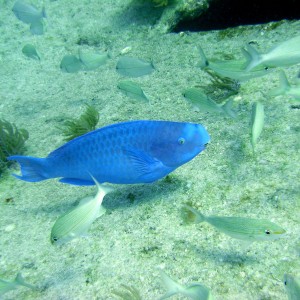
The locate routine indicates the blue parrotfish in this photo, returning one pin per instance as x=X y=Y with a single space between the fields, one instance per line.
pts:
x=124 y=153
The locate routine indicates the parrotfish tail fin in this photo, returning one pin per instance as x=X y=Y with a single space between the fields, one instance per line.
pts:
x=203 y=60
x=284 y=85
x=252 y=56
x=171 y=286
x=33 y=169
x=191 y=215
x=20 y=281
x=227 y=107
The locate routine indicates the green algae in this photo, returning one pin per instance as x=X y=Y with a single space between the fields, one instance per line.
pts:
x=127 y=293
x=12 y=141
x=85 y=123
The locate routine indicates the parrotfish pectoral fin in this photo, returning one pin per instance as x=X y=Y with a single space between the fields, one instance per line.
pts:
x=76 y=181
x=147 y=168
x=33 y=169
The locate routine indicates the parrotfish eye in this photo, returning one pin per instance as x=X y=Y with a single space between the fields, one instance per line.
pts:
x=181 y=141
x=267 y=231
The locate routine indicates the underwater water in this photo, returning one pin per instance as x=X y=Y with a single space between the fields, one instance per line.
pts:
x=143 y=230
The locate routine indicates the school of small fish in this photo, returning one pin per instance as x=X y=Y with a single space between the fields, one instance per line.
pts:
x=145 y=151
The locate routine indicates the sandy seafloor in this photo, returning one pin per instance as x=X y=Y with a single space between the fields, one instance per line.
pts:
x=133 y=239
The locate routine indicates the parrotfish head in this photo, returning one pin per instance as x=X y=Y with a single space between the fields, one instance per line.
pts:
x=178 y=143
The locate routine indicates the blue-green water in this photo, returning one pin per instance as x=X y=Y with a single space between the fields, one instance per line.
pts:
x=134 y=238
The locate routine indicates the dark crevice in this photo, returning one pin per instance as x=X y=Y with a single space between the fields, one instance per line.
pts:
x=230 y=13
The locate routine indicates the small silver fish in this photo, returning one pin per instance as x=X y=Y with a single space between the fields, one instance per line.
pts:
x=237 y=227
x=285 y=88
x=28 y=13
x=285 y=54
x=292 y=287
x=200 y=100
x=257 y=122
x=234 y=69
x=37 y=28
x=92 y=61
x=6 y=286
x=71 y=64
x=132 y=90
x=195 y=291
x=30 y=51
x=77 y=221
x=134 y=67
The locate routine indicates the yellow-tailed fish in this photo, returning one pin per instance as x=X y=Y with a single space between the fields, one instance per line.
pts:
x=257 y=122
x=285 y=54
x=237 y=227
x=234 y=69
x=202 y=102
x=285 y=88
x=195 y=291
x=292 y=287
x=6 y=286
x=77 y=221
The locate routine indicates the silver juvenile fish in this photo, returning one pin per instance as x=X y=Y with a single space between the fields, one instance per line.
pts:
x=92 y=61
x=285 y=88
x=257 y=122
x=285 y=54
x=200 y=100
x=237 y=227
x=234 y=69
x=292 y=287
x=6 y=286
x=28 y=13
x=195 y=291
x=132 y=90
x=37 y=28
x=134 y=67
x=30 y=51
x=77 y=221
x=71 y=64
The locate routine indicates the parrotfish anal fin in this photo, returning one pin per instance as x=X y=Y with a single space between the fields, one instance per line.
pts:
x=76 y=181
x=147 y=167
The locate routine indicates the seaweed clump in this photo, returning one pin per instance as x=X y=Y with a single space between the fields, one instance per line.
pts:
x=159 y=3
x=128 y=293
x=12 y=141
x=221 y=87
x=77 y=127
